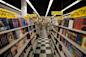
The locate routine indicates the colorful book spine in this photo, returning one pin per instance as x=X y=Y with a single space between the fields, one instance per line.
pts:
x=66 y=22
x=3 y=40
x=83 y=45
x=79 y=24
x=14 y=50
x=71 y=22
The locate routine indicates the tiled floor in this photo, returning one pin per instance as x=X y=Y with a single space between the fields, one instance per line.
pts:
x=43 y=48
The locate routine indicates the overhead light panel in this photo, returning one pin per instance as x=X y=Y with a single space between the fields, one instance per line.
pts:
x=7 y=4
x=70 y=5
x=30 y=4
x=50 y=3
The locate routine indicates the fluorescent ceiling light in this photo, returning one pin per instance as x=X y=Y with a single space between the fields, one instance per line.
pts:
x=30 y=4
x=50 y=3
x=9 y=5
x=70 y=5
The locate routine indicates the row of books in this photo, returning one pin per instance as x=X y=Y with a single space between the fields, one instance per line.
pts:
x=15 y=49
x=72 y=49
x=8 y=38
x=6 y=24
x=76 y=37
x=78 y=23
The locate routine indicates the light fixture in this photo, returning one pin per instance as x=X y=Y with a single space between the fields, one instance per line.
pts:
x=9 y=5
x=30 y=4
x=50 y=3
x=70 y=5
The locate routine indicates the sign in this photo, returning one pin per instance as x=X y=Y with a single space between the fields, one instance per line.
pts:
x=7 y=14
x=81 y=12
x=54 y=13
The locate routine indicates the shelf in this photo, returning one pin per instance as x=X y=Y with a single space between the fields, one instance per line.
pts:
x=56 y=54
x=57 y=48
x=28 y=49
x=12 y=30
x=59 y=51
x=79 y=31
x=73 y=43
x=11 y=44
x=64 y=48
x=22 y=49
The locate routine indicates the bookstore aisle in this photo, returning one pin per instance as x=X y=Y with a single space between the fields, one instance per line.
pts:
x=43 y=48
x=33 y=35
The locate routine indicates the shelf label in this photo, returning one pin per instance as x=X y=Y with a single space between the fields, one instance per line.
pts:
x=81 y=12
x=54 y=13
x=7 y=14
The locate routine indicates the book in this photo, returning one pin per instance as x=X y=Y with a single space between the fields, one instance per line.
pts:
x=83 y=45
x=66 y=22
x=5 y=23
x=79 y=38
x=23 y=21
x=71 y=22
x=17 y=33
x=3 y=40
x=15 y=23
x=72 y=36
x=10 y=23
x=10 y=37
x=78 y=53
x=14 y=50
x=20 y=44
x=80 y=24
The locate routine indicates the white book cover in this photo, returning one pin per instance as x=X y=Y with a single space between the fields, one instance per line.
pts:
x=70 y=24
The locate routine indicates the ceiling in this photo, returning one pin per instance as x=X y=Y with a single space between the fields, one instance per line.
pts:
x=41 y=5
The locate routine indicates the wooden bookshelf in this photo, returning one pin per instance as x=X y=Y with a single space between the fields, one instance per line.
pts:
x=12 y=44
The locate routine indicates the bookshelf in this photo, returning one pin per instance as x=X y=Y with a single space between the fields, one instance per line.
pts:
x=63 y=47
x=22 y=49
x=73 y=43
x=70 y=41
x=12 y=30
x=17 y=31
x=56 y=45
x=11 y=44
x=59 y=51
x=75 y=30
x=28 y=49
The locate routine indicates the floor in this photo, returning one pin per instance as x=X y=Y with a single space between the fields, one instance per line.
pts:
x=43 y=48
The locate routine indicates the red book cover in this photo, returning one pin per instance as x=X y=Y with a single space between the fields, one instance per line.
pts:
x=80 y=24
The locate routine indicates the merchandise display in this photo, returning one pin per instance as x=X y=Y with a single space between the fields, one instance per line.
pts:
x=27 y=32
x=15 y=36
